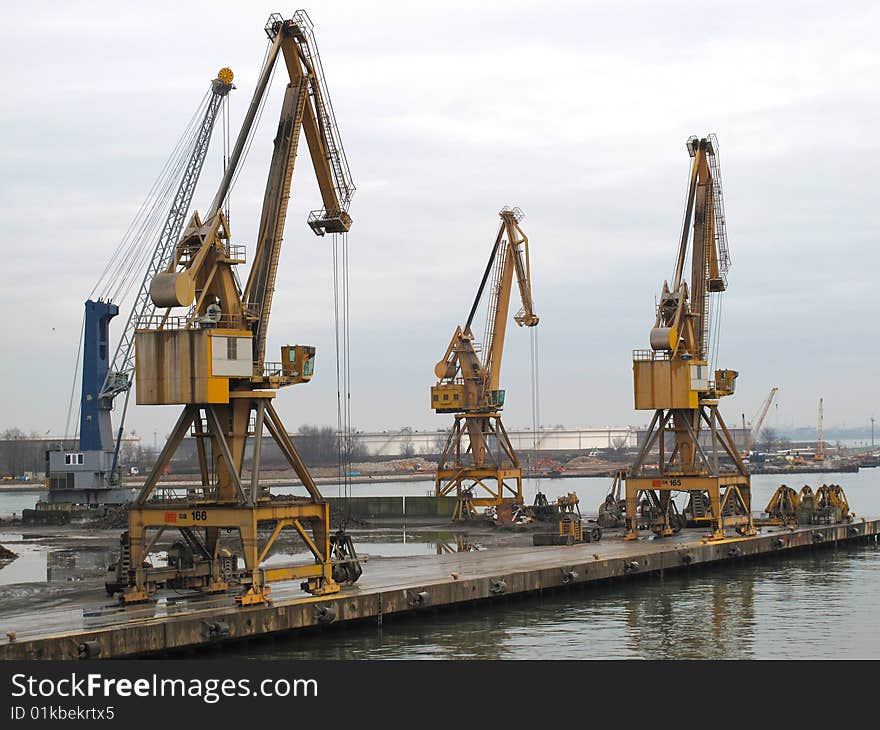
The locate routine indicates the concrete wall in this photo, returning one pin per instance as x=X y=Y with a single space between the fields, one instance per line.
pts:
x=407 y=442
x=366 y=507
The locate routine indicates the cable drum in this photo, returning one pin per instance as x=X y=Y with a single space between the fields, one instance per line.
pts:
x=172 y=289
x=663 y=338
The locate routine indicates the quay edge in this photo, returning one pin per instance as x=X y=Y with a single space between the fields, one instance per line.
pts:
x=494 y=576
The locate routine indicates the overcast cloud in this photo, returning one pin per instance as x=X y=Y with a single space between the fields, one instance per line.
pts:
x=576 y=112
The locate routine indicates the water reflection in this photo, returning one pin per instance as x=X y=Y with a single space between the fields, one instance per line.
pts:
x=461 y=544
x=692 y=617
x=38 y=563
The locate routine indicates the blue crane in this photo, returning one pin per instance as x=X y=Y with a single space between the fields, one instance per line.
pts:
x=90 y=473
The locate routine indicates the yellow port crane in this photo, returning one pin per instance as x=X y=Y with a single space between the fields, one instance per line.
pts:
x=211 y=359
x=672 y=379
x=478 y=454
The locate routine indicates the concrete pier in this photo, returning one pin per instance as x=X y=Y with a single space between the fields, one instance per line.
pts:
x=388 y=587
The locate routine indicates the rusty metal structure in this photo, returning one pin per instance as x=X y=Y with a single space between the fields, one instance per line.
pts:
x=672 y=379
x=828 y=505
x=211 y=359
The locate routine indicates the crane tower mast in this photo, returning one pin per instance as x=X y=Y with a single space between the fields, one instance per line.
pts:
x=211 y=360
x=673 y=380
x=478 y=464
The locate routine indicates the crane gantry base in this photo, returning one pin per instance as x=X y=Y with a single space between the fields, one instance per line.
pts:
x=198 y=561
x=496 y=481
x=498 y=487
x=717 y=500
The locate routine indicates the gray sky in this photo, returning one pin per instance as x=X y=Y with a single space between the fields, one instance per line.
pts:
x=576 y=112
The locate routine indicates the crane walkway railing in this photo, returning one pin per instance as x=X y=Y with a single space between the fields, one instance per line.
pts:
x=188 y=322
x=648 y=355
x=233 y=252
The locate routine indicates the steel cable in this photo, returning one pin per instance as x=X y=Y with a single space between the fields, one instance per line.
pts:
x=75 y=375
x=132 y=237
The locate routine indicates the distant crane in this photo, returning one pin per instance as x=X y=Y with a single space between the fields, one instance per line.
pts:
x=478 y=454
x=820 y=441
x=752 y=436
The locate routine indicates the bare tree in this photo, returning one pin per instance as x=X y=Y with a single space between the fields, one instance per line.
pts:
x=440 y=441
x=618 y=442
x=769 y=438
x=406 y=442
x=323 y=446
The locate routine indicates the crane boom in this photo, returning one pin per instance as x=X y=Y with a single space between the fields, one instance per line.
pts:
x=306 y=107
x=709 y=252
x=759 y=421
x=509 y=256
x=119 y=378
x=514 y=259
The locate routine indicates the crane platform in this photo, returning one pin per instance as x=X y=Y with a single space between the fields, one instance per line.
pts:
x=389 y=587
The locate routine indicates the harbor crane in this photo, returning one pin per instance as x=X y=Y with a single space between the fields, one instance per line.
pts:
x=211 y=359
x=758 y=422
x=672 y=379
x=90 y=473
x=478 y=464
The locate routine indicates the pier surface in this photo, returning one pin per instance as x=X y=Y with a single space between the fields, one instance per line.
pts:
x=388 y=586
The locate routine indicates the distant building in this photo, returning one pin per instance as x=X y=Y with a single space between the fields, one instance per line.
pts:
x=21 y=456
x=409 y=442
x=738 y=435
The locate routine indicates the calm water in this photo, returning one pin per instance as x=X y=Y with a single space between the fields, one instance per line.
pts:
x=862 y=489
x=821 y=604
x=12 y=503
x=817 y=605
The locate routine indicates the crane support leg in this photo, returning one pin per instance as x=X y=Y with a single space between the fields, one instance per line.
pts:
x=217 y=507
x=718 y=499
x=476 y=474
